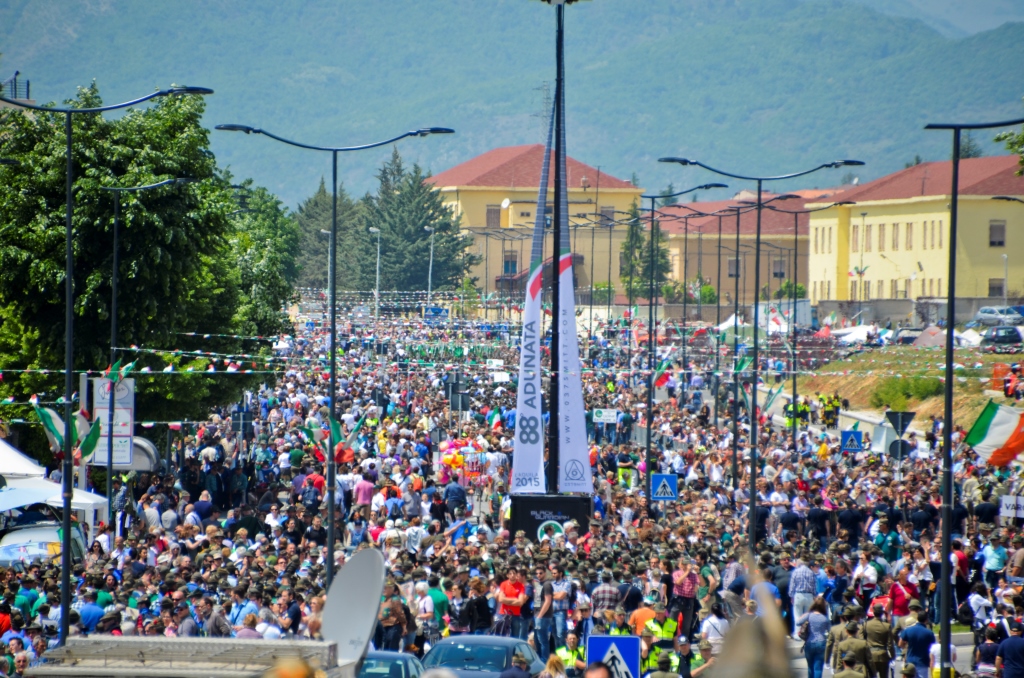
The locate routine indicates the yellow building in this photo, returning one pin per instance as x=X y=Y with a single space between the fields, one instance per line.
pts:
x=892 y=243
x=495 y=194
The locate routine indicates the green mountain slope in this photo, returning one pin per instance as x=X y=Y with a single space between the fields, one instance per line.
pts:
x=771 y=86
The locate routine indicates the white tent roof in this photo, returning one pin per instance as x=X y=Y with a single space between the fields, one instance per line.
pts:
x=14 y=464
x=81 y=500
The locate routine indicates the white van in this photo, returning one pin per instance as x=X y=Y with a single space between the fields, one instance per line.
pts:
x=36 y=542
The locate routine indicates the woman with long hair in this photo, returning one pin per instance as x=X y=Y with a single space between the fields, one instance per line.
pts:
x=818 y=628
x=715 y=627
x=554 y=668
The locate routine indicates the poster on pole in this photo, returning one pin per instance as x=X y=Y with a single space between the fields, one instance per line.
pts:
x=124 y=420
x=528 y=457
x=574 y=474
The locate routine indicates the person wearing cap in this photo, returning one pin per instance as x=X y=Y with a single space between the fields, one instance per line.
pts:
x=663 y=629
x=187 y=626
x=850 y=668
x=572 y=655
x=519 y=668
x=648 y=652
x=619 y=626
x=856 y=647
x=665 y=666
x=881 y=641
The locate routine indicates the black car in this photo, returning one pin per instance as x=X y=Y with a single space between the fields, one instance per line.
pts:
x=382 y=664
x=479 y=656
x=1001 y=339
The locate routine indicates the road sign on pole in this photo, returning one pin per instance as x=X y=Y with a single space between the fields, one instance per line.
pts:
x=899 y=450
x=852 y=441
x=664 y=487
x=900 y=421
x=620 y=653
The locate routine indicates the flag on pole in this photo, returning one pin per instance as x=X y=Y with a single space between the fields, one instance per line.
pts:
x=998 y=434
x=53 y=425
x=90 y=440
x=350 y=442
x=494 y=418
x=112 y=370
x=123 y=372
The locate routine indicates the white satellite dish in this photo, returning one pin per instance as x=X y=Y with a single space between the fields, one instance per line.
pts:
x=350 y=613
x=505 y=203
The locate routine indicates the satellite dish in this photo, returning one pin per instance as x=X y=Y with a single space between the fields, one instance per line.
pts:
x=505 y=203
x=350 y=613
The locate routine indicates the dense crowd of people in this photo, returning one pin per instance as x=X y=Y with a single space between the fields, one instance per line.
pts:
x=232 y=541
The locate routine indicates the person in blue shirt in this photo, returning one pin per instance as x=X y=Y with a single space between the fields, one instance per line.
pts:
x=995 y=557
x=765 y=589
x=917 y=640
x=90 y=613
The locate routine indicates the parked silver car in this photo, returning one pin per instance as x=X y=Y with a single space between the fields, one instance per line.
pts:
x=998 y=315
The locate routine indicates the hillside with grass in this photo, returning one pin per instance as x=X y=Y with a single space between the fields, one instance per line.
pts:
x=764 y=87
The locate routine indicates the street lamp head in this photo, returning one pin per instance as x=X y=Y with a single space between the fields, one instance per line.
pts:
x=843 y=202
x=325 y=231
x=177 y=91
x=847 y=163
x=681 y=161
x=706 y=187
x=428 y=229
x=424 y=131
x=236 y=128
x=1007 y=198
x=374 y=230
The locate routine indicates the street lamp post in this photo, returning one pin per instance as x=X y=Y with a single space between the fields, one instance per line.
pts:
x=945 y=592
x=117 y=191
x=332 y=479
x=651 y=329
x=430 y=268
x=69 y=321
x=376 y=287
x=757 y=284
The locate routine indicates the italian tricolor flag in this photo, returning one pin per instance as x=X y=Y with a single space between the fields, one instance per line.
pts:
x=998 y=435
x=662 y=375
x=494 y=419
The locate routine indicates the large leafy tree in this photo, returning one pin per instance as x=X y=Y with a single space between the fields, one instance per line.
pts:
x=404 y=205
x=314 y=215
x=179 y=251
x=632 y=251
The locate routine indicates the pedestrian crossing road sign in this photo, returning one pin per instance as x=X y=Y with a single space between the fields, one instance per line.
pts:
x=852 y=441
x=664 y=487
x=620 y=653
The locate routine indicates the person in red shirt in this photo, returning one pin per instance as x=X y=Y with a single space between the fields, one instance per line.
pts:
x=901 y=593
x=512 y=597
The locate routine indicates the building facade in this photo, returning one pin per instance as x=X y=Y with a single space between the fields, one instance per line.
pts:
x=892 y=242
x=495 y=194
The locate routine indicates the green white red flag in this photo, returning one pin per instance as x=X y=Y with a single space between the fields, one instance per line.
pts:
x=998 y=434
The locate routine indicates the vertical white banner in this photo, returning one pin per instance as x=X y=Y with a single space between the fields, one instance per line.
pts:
x=528 y=452
x=573 y=456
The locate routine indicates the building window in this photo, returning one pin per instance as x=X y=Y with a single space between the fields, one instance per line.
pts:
x=995 y=287
x=880 y=293
x=511 y=263
x=933 y=235
x=867 y=238
x=881 y=238
x=907 y=292
x=910 y=237
x=779 y=268
x=524 y=214
x=938 y=287
x=815 y=241
x=894 y=289
x=866 y=290
x=940 y=234
x=607 y=216
x=997 y=234
x=855 y=240
x=494 y=216
x=830 y=242
x=931 y=287
x=895 y=237
x=734 y=267
x=828 y=289
x=853 y=290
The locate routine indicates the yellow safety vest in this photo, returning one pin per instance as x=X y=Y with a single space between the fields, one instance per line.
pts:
x=619 y=632
x=569 y=657
x=665 y=634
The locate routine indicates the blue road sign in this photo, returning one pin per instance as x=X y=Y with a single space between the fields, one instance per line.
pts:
x=620 y=653
x=664 y=487
x=852 y=441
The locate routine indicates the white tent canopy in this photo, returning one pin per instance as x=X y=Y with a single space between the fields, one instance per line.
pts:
x=14 y=464
x=81 y=500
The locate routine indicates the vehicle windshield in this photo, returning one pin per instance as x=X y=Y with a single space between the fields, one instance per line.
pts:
x=29 y=552
x=468 y=657
x=375 y=667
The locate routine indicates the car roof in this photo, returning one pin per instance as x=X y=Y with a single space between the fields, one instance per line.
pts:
x=21 y=535
x=502 y=641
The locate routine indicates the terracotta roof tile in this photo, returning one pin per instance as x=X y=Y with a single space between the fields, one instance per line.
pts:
x=519 y=167
x=772 y=223
x=978 y=176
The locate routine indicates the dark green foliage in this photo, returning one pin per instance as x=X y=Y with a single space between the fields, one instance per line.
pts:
x=896 y=392
x=404 y=205
x=313 y=215
x=785 y=291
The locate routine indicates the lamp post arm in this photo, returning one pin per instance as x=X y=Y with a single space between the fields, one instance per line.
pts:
x=793 y=175
x=111 y=107
x=334 y=149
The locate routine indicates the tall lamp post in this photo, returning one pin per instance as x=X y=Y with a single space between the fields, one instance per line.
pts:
x=376 y=286
x=69 y=321
x=117 y=191
x=332 y=479
x=430 y=268
x=651 y=330
x=945 y=591
x=760 y=180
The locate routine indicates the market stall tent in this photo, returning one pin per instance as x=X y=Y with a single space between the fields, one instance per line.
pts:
x=14 y=464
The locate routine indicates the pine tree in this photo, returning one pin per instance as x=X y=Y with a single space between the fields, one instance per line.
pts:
x=632 y=248
x=313 y=215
